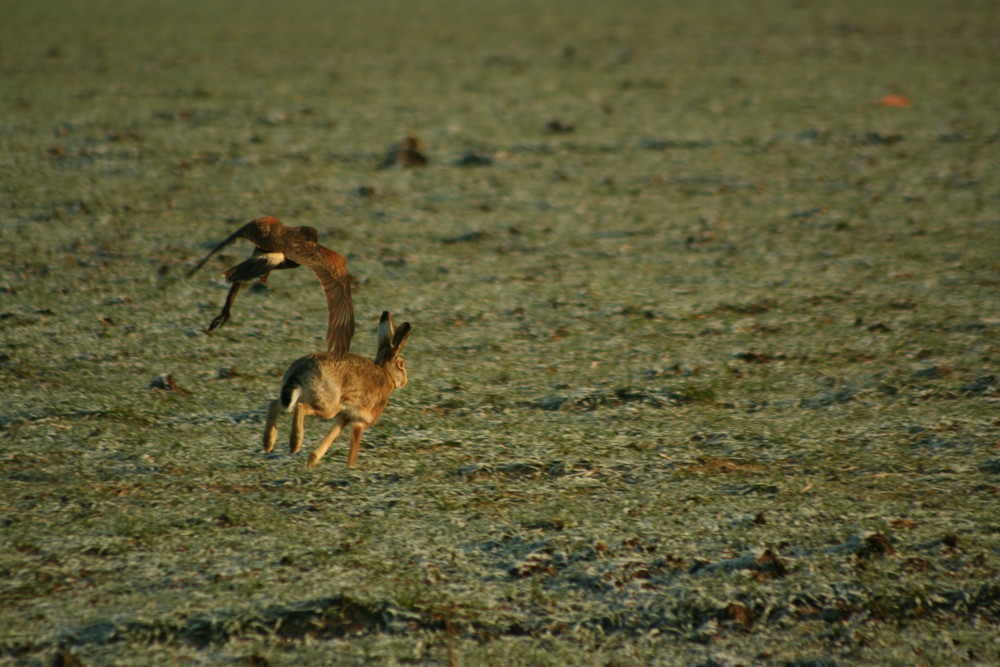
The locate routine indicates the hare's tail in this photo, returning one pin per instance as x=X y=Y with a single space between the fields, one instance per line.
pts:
x=290 y=393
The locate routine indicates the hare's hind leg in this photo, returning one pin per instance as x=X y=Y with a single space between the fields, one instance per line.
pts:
x=270 y=428
x=357 y=430
x=298 y=416
x=318 y=453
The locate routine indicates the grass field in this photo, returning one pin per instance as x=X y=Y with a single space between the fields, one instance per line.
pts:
x=709 y=377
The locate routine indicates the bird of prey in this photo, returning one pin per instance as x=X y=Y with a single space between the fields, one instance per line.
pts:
x=278 y=246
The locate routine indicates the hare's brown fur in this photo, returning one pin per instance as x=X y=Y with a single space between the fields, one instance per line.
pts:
x=353 y=390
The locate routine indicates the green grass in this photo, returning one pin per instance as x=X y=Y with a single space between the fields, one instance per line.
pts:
x=711 y=379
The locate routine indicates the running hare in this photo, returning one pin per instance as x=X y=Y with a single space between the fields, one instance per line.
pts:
x=352 y=389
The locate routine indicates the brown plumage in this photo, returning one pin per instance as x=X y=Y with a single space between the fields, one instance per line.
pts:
x=278 y=246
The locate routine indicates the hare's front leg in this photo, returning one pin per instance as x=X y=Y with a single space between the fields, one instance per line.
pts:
x=271 y=428
x=357 y=429
x=318 y=453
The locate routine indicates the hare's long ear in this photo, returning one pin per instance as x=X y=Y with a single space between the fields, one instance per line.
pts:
x=399 y=338
x=385 y=329
x=385 y=333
